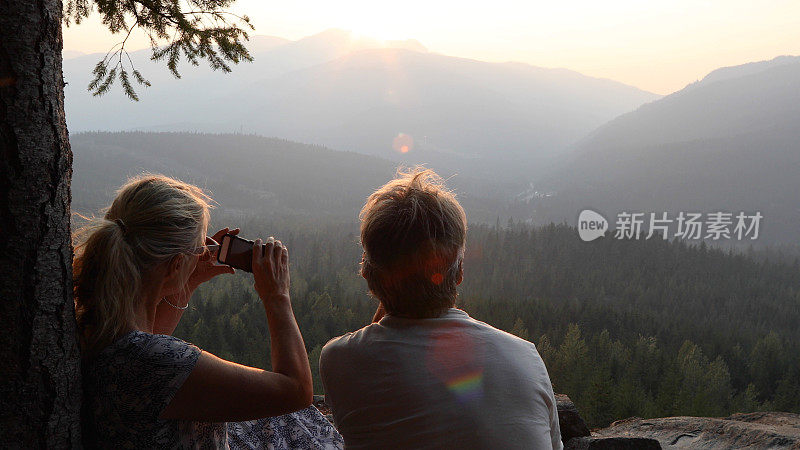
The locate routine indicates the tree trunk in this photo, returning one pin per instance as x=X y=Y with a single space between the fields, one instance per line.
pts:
x=39 y=360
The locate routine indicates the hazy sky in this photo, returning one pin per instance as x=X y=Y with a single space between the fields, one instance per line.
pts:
x=656 y=45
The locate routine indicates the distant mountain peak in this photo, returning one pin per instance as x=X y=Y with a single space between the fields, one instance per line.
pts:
x=730 y=72
x=331 y=33
x=362 y=42
x=260 y=43
x=407 y=44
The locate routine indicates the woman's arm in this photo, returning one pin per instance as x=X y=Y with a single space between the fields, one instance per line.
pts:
x=218 y=390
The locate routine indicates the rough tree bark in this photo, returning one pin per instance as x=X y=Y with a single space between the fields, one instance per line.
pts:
x=39 y=361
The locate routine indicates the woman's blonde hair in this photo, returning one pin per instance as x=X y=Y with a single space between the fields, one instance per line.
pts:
x=413 y=231
x=152 y=219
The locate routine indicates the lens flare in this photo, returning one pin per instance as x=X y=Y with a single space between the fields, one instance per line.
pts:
x=467 y=387
x=403 y=143
x=456 y=360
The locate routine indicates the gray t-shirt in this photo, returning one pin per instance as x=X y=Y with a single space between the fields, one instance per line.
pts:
x=446 y=382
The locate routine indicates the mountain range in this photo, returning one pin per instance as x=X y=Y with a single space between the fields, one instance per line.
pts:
x=729 y=142
x=356 y=94
x=536 y=144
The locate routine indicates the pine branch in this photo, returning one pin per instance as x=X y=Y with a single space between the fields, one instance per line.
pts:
x=195 y=29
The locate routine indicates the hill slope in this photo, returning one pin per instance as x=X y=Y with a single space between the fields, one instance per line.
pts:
x=252 y=175
x=727 y=143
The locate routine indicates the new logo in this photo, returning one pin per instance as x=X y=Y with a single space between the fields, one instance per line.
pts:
x=591 y=225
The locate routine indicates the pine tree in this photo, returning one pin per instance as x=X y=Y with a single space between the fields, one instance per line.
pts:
x=519 y=329
x=41 y=377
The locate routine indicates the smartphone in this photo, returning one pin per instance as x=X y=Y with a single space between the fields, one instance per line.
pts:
x=236 y=252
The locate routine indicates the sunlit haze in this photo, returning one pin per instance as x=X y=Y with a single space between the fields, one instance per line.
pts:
x=659 y=45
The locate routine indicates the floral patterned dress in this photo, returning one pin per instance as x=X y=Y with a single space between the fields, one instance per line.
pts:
x=132 y=380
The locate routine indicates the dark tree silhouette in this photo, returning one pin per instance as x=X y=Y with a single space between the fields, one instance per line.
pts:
x=40 y=368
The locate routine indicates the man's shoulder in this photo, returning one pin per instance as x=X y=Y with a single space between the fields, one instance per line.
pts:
x=500 y=336
x=346 y=341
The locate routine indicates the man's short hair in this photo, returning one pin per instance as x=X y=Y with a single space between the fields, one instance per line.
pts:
x=413 y=231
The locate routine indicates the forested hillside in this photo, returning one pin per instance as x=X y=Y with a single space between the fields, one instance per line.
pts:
x=648 y=327
x=643 y=328
x=248 y=174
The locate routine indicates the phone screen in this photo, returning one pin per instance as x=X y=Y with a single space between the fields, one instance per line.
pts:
x=236 y=252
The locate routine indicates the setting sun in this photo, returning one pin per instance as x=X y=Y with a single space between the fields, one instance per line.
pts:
x=371 y=31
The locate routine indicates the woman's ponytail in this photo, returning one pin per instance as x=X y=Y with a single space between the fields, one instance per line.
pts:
x=107 y=282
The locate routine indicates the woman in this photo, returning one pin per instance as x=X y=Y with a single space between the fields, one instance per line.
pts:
x=134 y=274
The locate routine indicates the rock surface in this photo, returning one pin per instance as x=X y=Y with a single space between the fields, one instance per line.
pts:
x=570 y=422
x=576 y=436
x=611 y=443
x=319 y=402
x=751 y=430
x=759 y=430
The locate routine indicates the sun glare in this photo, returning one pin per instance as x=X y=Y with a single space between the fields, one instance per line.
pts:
x=376 y=34
x=387 y=27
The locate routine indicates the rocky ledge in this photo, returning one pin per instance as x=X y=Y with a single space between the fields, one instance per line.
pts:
x=576 y=435
x=752 y=430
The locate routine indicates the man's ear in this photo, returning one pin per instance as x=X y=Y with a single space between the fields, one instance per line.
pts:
x=363 y=265
x=460 y=276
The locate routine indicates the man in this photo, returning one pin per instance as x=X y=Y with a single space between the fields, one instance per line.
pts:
x=425 y=374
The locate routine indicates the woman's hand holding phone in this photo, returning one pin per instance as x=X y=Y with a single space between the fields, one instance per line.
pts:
x=287 y=350
x=206 y=268
x=271 y=271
